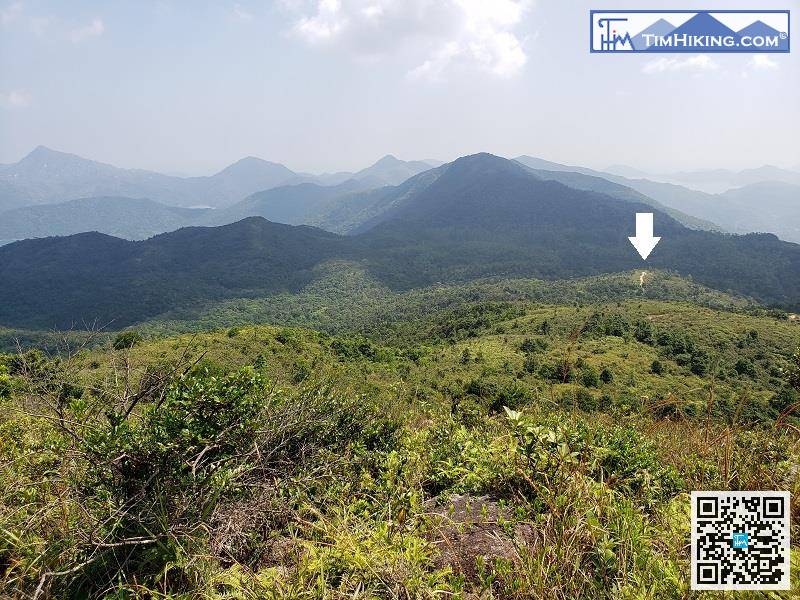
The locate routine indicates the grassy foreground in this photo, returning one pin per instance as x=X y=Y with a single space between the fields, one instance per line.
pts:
x=513 y=450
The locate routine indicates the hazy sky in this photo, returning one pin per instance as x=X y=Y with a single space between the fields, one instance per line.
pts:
x=322 y=85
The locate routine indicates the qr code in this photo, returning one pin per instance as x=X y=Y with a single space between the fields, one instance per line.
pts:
x=740 y=540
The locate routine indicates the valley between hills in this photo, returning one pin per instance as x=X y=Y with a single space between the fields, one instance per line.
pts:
x=426 y=380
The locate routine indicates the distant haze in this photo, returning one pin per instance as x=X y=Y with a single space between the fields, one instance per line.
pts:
x=326 y=86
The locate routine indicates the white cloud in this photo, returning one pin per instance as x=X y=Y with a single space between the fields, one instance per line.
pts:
x=10 y=13
x=328 y=21
x=95 y=28
x=240 y=14
x=699 y=63
x=762 y=62
x=15 y=99
x=440 y=34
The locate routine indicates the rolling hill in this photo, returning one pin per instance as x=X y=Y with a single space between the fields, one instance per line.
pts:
x=767 y=200
x=767 y=206
x=291 y=204
x=47 y=176
x=94 y=277
x=485 y=215
x=714 y=181
x=614 y=185
x=389 y=170
x=478 y=216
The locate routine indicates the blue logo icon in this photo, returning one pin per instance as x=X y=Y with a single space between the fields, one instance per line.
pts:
x=740 y=540
x=689 y=31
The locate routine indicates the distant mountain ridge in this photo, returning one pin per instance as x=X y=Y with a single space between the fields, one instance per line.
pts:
x=712 y=181
x=350 y=206
x=388 y=170
x=47 y=176
x=753 y=211
x=615 y=185
x=296 y=204
x=766 y=206
x=478 y=216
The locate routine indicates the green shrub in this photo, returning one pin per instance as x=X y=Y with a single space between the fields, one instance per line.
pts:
x=207 y=441
x=530 y=364
x=532 y=345
x=585 y=400
x=5 y=382
x=656 y=368
x=589 y=377
x=746 y=367
x=127 y=339
x=300 y=371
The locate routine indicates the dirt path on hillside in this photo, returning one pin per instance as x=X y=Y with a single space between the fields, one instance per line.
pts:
x=641 y=279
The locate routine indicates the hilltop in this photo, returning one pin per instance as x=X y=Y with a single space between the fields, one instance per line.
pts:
x=479 y=216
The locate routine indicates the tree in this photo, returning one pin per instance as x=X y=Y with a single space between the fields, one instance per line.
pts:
x=656 y=368
x=127 y=339
x=606 y=375
x=589 y=377
x=466 y=356
x=745 y=366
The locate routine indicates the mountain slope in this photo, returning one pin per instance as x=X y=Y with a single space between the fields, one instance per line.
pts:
x=614 y=185
x=485 y=215
x=293 y=204
x=128 y=218
x=392 y=171
x=46 y=176
x=91 y=276
x=768 y=206
x=476 y=217
x=357 y=213
x=389 y=170
x=714 y=181
x=239 y=180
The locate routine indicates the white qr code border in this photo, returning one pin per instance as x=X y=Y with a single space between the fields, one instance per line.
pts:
x=780 y=520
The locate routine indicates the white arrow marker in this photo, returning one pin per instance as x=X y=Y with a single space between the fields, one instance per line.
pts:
x=644 y=242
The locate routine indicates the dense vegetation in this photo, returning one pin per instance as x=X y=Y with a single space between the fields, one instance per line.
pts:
x=480 y=216
x=489 y=446
x=427 y=420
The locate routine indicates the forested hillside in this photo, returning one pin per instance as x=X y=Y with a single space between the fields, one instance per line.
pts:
x=92 y=277
x=480 y=216
x=500 y=448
